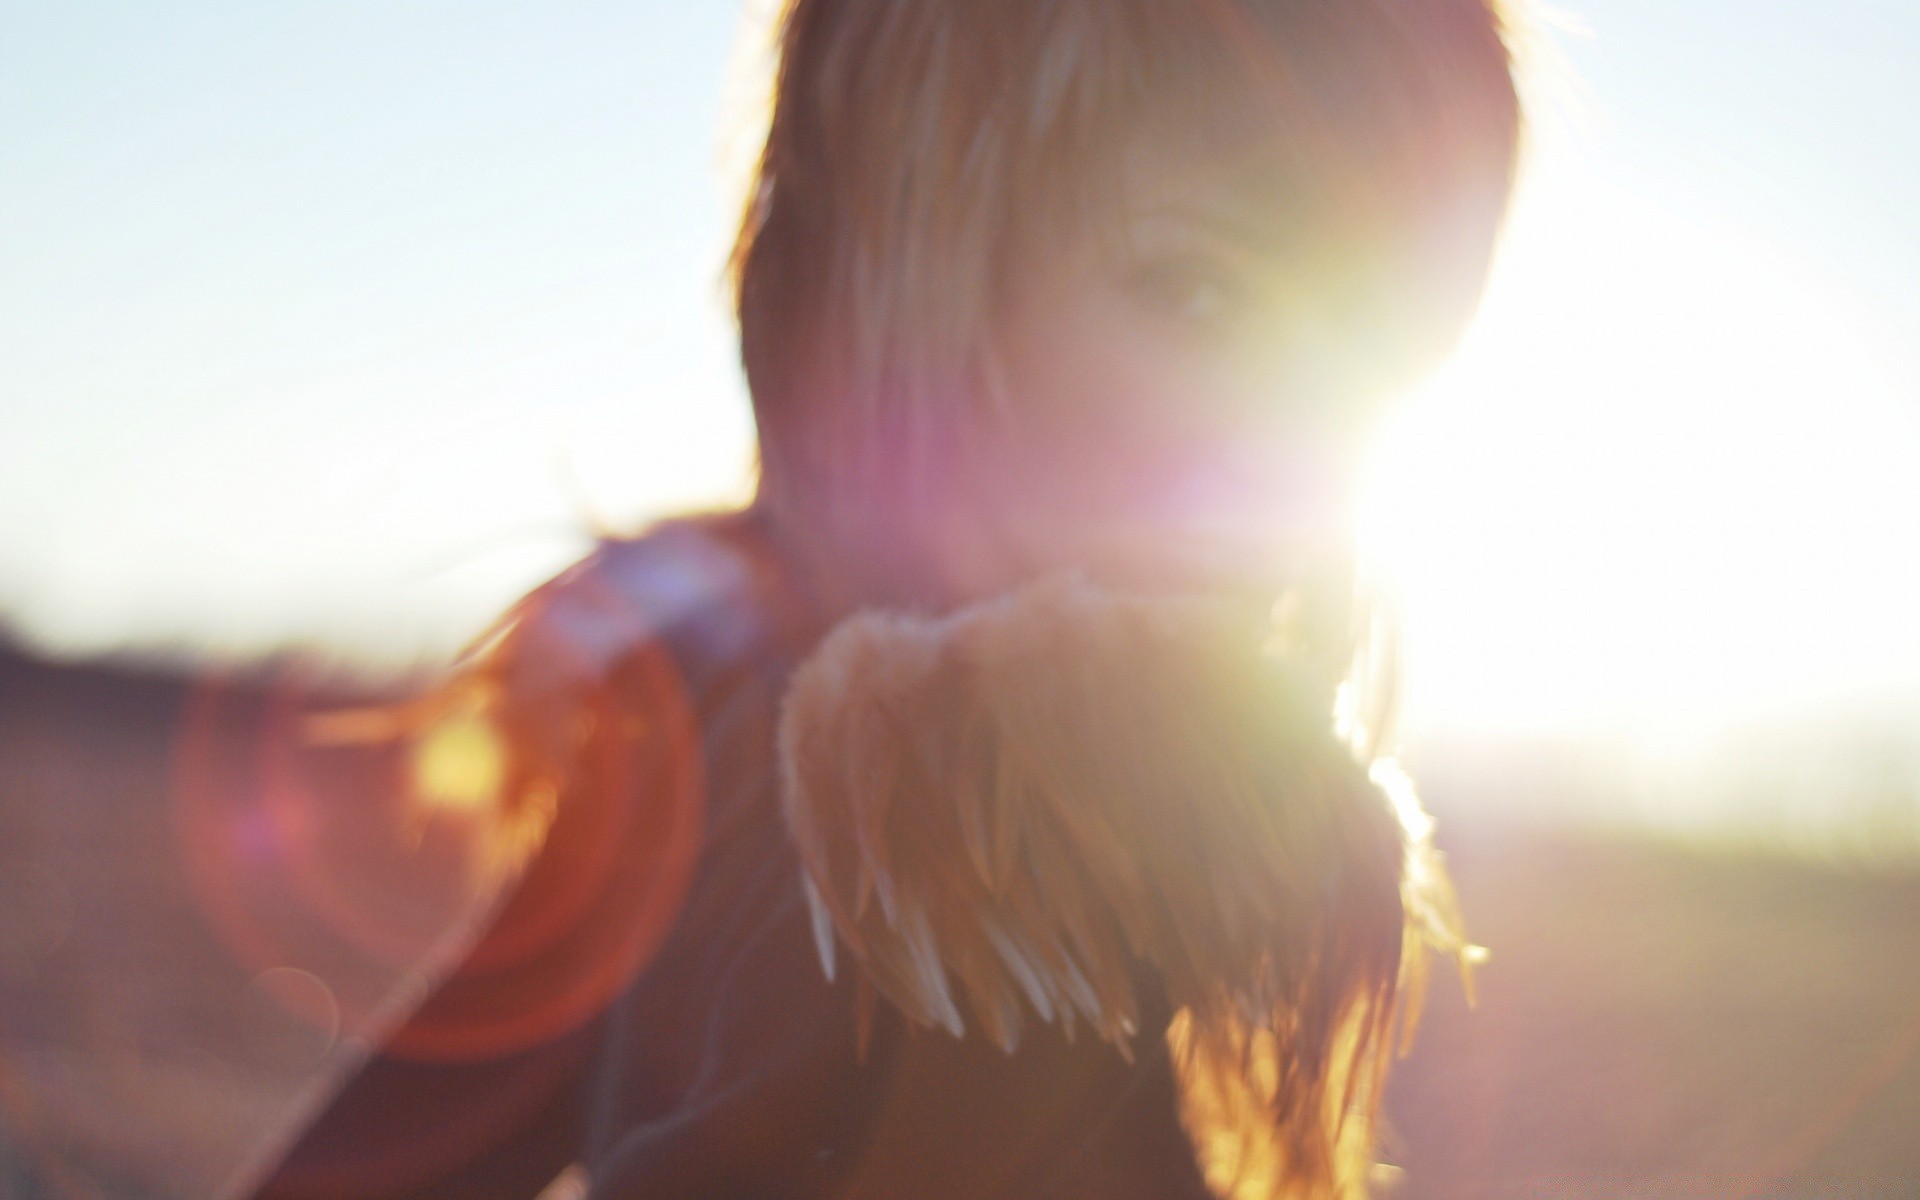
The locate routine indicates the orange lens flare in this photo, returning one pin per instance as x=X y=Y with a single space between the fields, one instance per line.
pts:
x=459 y=765
x=369 y=853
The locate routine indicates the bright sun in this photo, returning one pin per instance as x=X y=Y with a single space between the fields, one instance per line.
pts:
x=1663 y=487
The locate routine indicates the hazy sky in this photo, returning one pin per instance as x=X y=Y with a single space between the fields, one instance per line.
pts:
x=309 y=312
x=334 y=322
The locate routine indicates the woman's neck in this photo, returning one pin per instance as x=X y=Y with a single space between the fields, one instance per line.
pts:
x=848 y=566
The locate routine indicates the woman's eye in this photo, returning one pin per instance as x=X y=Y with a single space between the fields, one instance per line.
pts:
x=1200 y=295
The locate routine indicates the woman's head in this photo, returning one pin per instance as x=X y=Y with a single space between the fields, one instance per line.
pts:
x=1108 y=283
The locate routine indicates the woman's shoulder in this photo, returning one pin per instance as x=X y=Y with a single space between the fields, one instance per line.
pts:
x=712 y=588
x=635 y=662
x=621 y=713
x=618 y=699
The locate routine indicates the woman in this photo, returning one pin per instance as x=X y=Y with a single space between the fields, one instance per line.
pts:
x=956 y=821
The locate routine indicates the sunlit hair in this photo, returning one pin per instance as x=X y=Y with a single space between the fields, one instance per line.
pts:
x=921 y=156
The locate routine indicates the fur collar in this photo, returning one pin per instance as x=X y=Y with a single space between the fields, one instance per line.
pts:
x=1007 y=813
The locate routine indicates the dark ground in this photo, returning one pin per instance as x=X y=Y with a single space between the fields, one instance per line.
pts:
x=1655 y=1021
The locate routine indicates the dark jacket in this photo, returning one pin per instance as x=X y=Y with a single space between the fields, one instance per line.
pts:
x=726 y=1065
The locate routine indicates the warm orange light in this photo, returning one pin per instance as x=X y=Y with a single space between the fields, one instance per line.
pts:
x=459 y=764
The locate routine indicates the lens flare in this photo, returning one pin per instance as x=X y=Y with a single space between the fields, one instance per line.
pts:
x=372 y=849
x=460 y=764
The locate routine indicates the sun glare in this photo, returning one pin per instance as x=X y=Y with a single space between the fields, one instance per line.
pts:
x=1664 y=486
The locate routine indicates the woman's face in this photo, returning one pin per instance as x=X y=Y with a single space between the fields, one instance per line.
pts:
x=1190 y=398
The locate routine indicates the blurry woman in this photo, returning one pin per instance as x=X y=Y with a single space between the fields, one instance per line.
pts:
x=998 y=806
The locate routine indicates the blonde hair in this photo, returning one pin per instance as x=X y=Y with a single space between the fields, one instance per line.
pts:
x=920 y=153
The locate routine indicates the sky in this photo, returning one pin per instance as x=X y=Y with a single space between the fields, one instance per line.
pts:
x=337 y=322
x=341 y=324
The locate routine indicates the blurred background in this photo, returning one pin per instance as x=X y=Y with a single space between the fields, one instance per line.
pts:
x=329 y=329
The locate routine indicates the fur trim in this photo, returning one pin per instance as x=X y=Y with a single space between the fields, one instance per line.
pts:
x=1010 y=811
